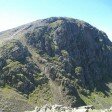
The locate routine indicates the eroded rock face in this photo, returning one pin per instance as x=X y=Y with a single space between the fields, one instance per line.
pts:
x=14 y=50
x=86 y=47
x=16 y=70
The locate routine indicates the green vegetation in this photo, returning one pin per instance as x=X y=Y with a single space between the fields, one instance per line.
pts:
x=64 y=53
x=41 y=95
x=78 y=70
x=11 y=100
x=98 y=100
x=56 y=24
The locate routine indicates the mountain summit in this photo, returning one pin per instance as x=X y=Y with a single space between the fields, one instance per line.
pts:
x=59 y=61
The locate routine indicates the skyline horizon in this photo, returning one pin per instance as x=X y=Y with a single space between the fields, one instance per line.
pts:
x=15 y=13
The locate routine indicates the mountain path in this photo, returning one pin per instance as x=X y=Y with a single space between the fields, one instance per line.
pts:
x=55 y=89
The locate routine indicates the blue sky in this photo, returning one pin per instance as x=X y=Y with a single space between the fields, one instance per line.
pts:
x=17 y=12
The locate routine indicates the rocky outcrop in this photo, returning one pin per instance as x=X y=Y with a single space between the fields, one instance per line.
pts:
x=14 y=50
x=16 y=69
x=84 y=45
x=60 y=108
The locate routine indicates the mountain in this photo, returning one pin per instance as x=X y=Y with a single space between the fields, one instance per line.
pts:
x=58 y=61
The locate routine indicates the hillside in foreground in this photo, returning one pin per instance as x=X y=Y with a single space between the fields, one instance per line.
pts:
x=58 y=61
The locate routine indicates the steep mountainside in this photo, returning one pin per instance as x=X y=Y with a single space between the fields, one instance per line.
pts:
x=58 y=61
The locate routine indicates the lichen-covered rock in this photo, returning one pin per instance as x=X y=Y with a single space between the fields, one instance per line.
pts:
x=60 y=108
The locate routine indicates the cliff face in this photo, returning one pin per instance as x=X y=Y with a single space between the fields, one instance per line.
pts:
x=83 y=46
x=56 y=60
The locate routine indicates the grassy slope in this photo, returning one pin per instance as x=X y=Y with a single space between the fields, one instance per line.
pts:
x=98 y=99
x=12 y=101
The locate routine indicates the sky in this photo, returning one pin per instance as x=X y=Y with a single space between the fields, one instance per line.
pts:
x=98 y=13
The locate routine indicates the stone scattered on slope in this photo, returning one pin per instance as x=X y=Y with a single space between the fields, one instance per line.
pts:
x=60 y=108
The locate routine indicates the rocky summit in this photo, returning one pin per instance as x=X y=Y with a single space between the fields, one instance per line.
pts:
x=56 y=60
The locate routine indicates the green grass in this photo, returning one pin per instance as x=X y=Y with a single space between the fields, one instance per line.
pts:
x=56 y=23
x=98 y=99
x=11 y=100
x=41 y=95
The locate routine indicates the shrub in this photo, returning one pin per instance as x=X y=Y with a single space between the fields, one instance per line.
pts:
x=64 y=53
x=78 y=70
